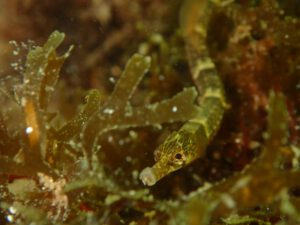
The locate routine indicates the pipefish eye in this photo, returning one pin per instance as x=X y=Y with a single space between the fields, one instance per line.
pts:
x=179 y=158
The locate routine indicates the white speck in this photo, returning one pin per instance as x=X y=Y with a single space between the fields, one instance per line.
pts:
x=133 y=134
x=12 y=210
x=13 y=42
x=112 y=80
x=10 y=218
x=26 y=81
x=14 y=65
x=110 y=139
x=128 y=159
x=24 y=45
x=298 y=86
x=174 y=109
x=157 y=126
x=238 y=140
x=41 y=71
x=23 y=101
x=108 y=111
x=228 y=200
x=29 y=130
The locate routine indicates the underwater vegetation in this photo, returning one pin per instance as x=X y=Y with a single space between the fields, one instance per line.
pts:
x=73 y=141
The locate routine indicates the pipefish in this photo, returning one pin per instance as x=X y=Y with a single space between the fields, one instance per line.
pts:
x=187 y=144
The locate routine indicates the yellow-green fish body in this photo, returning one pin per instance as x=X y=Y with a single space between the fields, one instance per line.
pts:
x=190 y=141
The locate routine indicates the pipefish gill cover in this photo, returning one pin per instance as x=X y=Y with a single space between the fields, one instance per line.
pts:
x=149 y=112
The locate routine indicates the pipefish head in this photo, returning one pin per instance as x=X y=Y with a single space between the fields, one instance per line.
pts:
x=178 y=150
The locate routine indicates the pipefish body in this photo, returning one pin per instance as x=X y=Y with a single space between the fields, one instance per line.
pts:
x=189 y=143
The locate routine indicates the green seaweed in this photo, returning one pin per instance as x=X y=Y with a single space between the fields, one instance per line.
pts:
x=235 y=220
x=58 y=151
x=118 y=113
x=42 y=70
x=40 y=77
x=74 y=126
